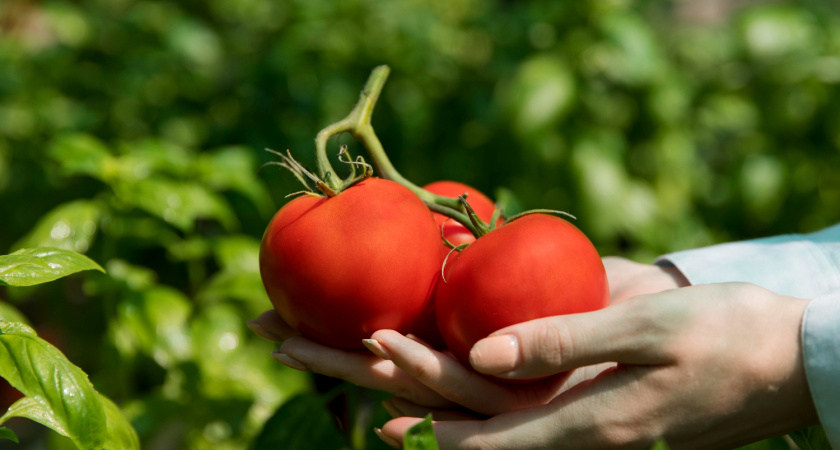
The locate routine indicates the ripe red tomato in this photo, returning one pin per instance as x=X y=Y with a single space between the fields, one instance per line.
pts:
x=457 y=234
x=337 y=269
x=536 y=266
x=453 y=231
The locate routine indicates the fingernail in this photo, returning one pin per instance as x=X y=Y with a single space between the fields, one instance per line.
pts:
x=495 y=355
x=288 y=360
x=387 y=439
x=377 y=348
x=392 y=409
x=262 y=332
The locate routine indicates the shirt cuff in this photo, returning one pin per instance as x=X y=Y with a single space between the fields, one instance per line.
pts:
x=821 y=353
x=801 y=266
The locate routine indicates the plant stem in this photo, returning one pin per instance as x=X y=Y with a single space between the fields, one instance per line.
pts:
x=358 y=124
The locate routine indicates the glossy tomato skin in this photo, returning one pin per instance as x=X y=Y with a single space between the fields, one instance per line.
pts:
x=453 y=231
x=456 y=234
x=536 y=266
x=337 y=269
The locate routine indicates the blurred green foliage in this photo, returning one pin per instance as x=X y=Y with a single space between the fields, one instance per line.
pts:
x=132 y=131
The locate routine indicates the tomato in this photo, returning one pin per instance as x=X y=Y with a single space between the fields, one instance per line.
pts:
x=456 y=234
x=453 y=231
x=535 y=266
x=337 y=269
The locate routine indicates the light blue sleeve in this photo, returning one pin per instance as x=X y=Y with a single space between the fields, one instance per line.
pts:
x=800 y=265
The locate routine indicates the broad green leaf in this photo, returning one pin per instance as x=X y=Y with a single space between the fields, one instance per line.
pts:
x=58 y=394
x=302 y=423
x=176 y=202
x=540 y=95
x=235 y=168
x=238 y=253
x=812 y=438
x=155 y=322
x=421 y=436
x=246 y=287
x=83 y=154
x=71 y=226
x=120 y=434
x=28 y=267
x=8 y=434
x=11 y=314
x=150 y=157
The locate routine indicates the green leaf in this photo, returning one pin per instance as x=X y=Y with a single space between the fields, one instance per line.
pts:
x=235 y=168
x=421 y=436
x=11 y=314
x=660 y=445
x=302 y=423
x=155 y=322
x=71 y=226
x=28 y=267
x=58 y=394
x=238 y=253
x=121 y=434
x=8 y=434
x=812 y=438
x=82 y=154
x=176 y=202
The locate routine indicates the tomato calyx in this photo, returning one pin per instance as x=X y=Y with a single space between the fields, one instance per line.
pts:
x=321 y=187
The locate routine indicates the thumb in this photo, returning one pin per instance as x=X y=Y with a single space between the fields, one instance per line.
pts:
x=542 y=347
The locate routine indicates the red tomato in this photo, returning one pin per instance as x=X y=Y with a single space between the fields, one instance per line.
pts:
x=457 y=234
x=453 y=231
x=536 y=266
x=337 y=269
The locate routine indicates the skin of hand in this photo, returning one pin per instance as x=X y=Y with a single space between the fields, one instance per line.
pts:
x=711 y=366
x=424 y=380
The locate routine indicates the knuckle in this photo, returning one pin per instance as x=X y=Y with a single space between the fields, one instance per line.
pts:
x=553 y=344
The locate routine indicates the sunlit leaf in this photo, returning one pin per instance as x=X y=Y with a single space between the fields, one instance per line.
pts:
x=28 y=267
x=120 y=435
x=155 y=322
x=540 y=94
x=421 y=436
x=58 y=394
x=71 y=226
x=83 y=154
x=176 y=202
x=235 y=168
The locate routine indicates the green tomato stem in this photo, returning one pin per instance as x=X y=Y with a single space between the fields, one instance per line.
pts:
x=358 y=124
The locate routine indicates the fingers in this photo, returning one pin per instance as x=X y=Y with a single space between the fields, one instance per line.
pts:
x=445 y=375
x=586 y=417
x=271 y=327
x=361 y=368
x=400 y=407
x=542 y=347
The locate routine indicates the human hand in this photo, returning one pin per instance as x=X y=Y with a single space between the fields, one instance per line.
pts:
x=447 y=384
x=712 y=366
x=628 y=278
x=422 y=378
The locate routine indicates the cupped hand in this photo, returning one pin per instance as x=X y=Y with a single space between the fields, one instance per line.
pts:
x=711 y=366
x=424 y=380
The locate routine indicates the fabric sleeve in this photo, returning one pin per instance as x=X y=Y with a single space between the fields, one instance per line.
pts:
x=804 y=266
x=821 y=352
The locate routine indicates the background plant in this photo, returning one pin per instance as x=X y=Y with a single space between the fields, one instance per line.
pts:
x=132 y=131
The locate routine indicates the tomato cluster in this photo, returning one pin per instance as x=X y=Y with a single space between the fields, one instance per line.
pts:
x=339 y=268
